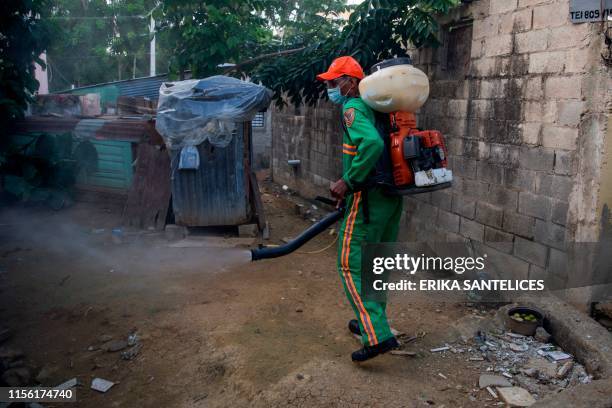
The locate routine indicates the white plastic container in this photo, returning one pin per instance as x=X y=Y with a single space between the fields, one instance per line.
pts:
x=395 y=85
x=432 y=177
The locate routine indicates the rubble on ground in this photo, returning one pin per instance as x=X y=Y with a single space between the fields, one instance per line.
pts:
x=519 y=369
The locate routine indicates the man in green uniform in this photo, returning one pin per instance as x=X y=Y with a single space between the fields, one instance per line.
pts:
x=371 y=215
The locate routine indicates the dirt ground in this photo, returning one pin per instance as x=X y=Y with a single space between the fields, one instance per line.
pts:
x=216 y=330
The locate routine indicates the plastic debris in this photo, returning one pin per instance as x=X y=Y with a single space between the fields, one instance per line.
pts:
x=516 y=396
x=193 y=111
x=487 y=380
x=73 y=382
x=101 y=385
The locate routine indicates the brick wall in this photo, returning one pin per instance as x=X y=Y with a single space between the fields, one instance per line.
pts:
x=524 y=112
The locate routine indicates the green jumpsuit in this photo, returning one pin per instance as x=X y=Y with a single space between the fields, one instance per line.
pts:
x=361 y=148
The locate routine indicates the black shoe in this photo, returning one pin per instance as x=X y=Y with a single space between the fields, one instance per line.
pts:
x=353 y=327
x=369 y=352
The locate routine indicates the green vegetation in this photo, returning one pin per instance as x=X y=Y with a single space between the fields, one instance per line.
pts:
x=23 y=38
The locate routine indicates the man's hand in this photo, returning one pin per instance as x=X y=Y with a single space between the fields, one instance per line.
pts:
x=338 y=189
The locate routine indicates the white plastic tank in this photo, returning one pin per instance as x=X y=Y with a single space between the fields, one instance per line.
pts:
x=395 y=85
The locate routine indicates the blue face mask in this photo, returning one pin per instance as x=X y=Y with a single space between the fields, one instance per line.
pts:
x=336 y=96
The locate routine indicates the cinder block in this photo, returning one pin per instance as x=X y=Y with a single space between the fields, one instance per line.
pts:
x=442 y=199
x=550 y=234
x=498 y=45
x=483 y=67
x=463 y=206
x=474 y=189
x=518 y=224
x=501 y=265
x=504 y=154
x=547 y=62
x=505 y=23
x=565 y=162
x=502 y=6
x=569 y=112
x=448 y=221
x=550 y=15
x=577 y=60
x=534 y=89
x=458 y=108
x=550 y=111
x=463 y=167
x=502 y=197
x=484 y=150
x=531 y=252
x=569 y=36
x=558 y=264
x=486 y=27
x=499 y=239
x=488 y=88
x=471 y=229
x=477 y=48
x=556 y=186
x=522 y=20
x=531 y=41
x=490 y=173
x=535 y=272
x=455 y=146
x=559 y=212
x=489 y=214
x=563 y=87
x=536 y=158
x=519 y=179
x=426 y=212
x=453 y=237
x=557 y=137
x=531 y=132
x=530 y=3
x=481 y=109
x=538 y=206
x=470 y=151
x=533 y=111
x=424 y=197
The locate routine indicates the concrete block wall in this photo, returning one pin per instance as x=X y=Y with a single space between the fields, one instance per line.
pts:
x=522 y=125
x=313 y=136
x=524 y=109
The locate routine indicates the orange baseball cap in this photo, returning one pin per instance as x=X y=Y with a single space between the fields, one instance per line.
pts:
x=342 y=66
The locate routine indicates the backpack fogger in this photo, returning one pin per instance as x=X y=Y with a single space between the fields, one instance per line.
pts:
x=414 y=160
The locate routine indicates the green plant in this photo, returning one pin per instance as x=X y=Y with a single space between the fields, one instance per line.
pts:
x=376 y=30
x=23 y=37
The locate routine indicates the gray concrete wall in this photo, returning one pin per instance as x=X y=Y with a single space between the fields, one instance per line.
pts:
x=523 y=98
x=313 y=136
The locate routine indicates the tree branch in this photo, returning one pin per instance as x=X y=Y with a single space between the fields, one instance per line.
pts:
x=262 y=57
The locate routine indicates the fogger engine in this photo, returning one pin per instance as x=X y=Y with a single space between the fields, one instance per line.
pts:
x=418 y=157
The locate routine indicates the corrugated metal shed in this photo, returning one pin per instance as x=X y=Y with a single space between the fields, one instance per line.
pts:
x=217 y=193
x=145 y=86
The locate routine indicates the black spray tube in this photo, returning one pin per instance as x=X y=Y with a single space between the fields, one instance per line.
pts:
x=311 y=232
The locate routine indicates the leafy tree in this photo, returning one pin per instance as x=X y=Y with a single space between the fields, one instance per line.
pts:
x=79 y=53
x=204 y=35
x=23 y=37
x=100 y=41
x=376 y=30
